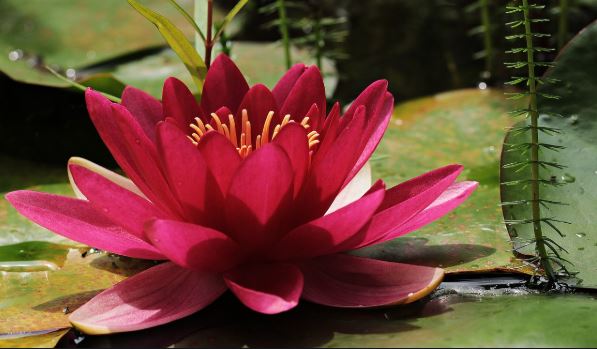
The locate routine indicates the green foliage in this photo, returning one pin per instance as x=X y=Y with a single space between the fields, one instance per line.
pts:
x=548 y=250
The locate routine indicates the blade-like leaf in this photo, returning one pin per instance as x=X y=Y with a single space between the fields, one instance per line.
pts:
x=235 y=10
x=177 y=41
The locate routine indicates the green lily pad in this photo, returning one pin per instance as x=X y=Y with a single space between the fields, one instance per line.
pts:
x=35 y=32
x=42 y=340
x=463 y=127
x=576 y=115
x=452 y=320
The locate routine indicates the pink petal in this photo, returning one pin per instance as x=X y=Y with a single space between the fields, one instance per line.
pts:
x=307 y=90
x=456 y=194
x=147 y=173
x=146 y=109
x=221 y=158
x=179 y=103
x=287 y=82
x=193 y=246
x=353 y=282
x=104 y=172
x=376 y=127
x=403 y=202
x=188 y=174
x=370 y=98
x=267 y=288
x=328 y=171
x=121 y=206
x=259 y=196
x=224 y=86
x=293 y=140
x=322 y=235
x=258 y=102
x=153 y=297
x=77 y=220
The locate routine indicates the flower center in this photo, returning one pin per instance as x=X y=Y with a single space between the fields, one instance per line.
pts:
x=244 y=142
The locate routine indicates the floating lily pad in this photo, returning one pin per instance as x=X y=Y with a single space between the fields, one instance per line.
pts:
x=35 y=32
x=463 y=127
x=44 y=339
x=443 y=321
x=576 y=115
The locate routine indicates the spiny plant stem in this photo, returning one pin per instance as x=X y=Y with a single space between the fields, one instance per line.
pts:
x=563 y=23
x=283 y=27
x=487 y=40
x=534 y=150
x=208 y=37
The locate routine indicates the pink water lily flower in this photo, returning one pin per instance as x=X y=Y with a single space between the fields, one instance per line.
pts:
x=254 y=191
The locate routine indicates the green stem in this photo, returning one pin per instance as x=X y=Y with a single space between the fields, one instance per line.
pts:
x=487 y=39
x=209 y=44
x=563 y=23
x=283 y=27
x=534 y=116
x=318 y=41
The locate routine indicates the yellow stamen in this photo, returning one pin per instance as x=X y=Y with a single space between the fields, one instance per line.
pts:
x=244 y=143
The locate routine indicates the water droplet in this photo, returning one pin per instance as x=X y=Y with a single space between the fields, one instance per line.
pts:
x=15 y=55
x=71 y=73
x=573 y=120
x=482 y=86
x=568 y=178
x=581 y=235
x=137 y=140
x=105 y=210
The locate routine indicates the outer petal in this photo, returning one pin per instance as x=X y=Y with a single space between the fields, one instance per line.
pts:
x=121 y=206
x=153 y=297
x=308 y=90
x=353 y=282
x=293 y=139
x=267 y=288
x=193 y=246
x=146 y=109
x=102 y=171
x=376 y=127
x=188 y=175
x=370 y=98
x=322 y=235
x=78 y=221
x=221 y=158
x=143 y=154
x=287 y=82
x=225 y=86
x=456 y=194
x=356 y=188
x=179 y=103
x=403 y=202
x=259 y=196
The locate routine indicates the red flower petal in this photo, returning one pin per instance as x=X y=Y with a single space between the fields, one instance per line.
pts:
x=259 y=196
x=153 y=297
x=267 y=288
x=287 y=82
x=221 y=157
x=293 y=139
x=179 y=103
x=328 y=171
x=146 y=109
x=323 y=234
x=307 y=90
x=456 y=194
x=188 y=175
x=258 y=102
x=403 y=202
x=115 y=202
x=77 y=220
x=225 y=86
x=147 y=173
x=353 y=282
x=193 y=246
x=370 y=98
